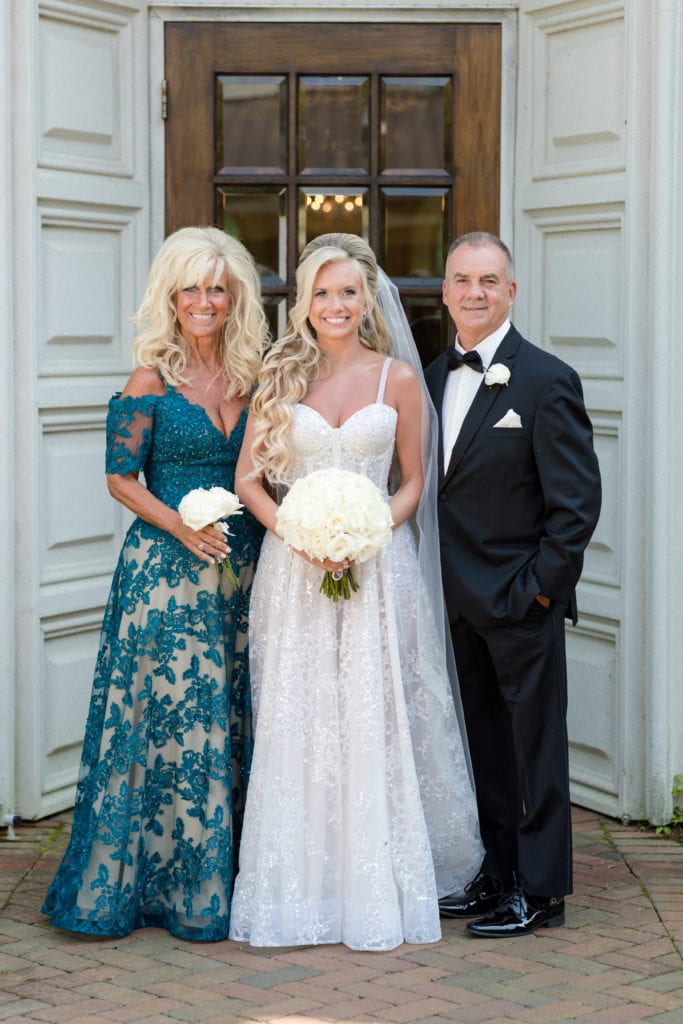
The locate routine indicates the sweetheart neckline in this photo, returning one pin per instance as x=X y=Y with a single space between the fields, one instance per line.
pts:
x=370 y=405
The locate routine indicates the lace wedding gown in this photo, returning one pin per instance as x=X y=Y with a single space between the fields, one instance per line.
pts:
x=168 y=739
x=360 y=809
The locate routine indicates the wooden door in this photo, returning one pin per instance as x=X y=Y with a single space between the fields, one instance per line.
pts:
x=278 y=133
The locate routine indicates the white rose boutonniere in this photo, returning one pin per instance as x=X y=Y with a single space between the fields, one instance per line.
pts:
x=208 y=507
x=498 y=373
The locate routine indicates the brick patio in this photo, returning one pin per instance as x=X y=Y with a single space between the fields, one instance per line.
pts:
x=619 y=958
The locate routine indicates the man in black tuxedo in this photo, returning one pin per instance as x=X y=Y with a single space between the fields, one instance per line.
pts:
x=519 y=497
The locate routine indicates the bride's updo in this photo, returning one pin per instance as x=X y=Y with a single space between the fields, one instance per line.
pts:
x=295 y=361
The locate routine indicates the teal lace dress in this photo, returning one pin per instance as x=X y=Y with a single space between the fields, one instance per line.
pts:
x=168 y=739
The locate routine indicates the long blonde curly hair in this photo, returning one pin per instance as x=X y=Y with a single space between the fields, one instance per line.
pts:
x=295 y=361
x=187 y=258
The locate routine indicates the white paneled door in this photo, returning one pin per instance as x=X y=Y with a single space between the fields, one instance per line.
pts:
x=571 y=198
x=82 y=255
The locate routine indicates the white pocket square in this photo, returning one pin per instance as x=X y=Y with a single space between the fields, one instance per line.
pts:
x=510 y=419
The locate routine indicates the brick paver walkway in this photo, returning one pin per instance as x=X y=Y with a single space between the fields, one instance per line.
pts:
x=619 y=958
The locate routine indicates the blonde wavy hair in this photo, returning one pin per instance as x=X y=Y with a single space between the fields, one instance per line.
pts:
x=187 y=258
x=295 y=361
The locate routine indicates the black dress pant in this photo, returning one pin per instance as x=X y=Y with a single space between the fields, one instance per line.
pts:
x=513 y=682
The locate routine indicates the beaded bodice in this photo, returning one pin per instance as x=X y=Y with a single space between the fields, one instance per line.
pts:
x=364 y=443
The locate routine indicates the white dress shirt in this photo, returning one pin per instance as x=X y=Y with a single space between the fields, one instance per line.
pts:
x=461 y=387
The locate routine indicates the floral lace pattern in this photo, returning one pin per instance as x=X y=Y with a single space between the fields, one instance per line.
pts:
x=360 y=809
x=168 y=740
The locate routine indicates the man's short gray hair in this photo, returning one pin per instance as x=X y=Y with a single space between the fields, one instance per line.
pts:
x=477 y=238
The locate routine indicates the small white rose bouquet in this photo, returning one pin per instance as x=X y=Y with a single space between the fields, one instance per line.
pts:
x=339 y=515
x=498 y=373
x=209 y=507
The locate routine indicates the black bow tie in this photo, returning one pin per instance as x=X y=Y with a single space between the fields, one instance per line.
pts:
x=456 y=359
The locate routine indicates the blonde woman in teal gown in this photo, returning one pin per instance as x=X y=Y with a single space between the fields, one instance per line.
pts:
x=168 y=740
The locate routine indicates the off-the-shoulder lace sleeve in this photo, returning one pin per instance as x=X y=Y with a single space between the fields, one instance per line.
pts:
x=130 y=427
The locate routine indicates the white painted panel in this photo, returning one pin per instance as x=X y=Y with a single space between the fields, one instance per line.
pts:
x=79 y=270
x=586 y=120
x=82 y=535
x=69 y=649
x=75 y=597
x=87 y=290
x=86 y=115
x=593 y=718
x=583 y=257
x=579 y=84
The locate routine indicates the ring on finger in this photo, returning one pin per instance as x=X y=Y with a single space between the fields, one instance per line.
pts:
x=200 y=546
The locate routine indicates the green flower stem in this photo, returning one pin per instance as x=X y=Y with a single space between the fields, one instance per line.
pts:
x=225 y=566
x=334 y=588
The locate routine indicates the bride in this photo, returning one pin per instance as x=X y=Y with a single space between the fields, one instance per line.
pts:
x=360 y=808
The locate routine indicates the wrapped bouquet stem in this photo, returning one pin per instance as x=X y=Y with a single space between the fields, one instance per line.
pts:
x=339 y=583
x=210 y=507
x=337 y=515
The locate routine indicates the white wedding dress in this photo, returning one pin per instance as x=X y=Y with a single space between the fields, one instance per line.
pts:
x=360 y=811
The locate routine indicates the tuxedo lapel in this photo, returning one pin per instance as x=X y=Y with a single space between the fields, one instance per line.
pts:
x=483 y=400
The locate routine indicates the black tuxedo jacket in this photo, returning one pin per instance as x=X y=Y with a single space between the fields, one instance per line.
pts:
x=517 y=506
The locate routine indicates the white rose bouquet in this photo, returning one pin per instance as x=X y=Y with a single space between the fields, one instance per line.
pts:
x=335 y=514
x=209 y=507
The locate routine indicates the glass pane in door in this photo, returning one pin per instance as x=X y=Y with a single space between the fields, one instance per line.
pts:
x=414 y=222
x=251 y=119
x=428 y=321
x=256 y=215
x=415 y=116
x=275 y=309
x=334 y=124
x=321 y=211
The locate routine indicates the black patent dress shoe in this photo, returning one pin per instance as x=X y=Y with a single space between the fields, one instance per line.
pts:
x=518 y=914
x=482 y=894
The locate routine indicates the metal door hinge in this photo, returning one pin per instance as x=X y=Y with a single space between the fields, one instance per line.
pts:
x=164 y=99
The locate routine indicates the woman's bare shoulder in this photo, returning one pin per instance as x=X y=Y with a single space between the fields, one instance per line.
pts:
x=144 y=380
x=402 y=376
